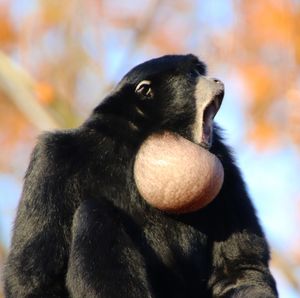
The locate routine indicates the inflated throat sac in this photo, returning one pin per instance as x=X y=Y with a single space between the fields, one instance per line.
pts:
x=175 y=175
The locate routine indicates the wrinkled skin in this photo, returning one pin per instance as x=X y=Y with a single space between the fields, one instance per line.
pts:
x=169 y=174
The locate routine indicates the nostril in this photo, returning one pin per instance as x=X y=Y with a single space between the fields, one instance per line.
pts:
x=217 y=81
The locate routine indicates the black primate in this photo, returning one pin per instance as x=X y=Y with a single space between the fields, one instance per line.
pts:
x=82 y=229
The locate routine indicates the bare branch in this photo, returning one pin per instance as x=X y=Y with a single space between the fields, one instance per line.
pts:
x=19 y=87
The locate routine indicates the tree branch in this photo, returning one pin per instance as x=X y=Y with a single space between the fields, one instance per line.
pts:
x=19 y=88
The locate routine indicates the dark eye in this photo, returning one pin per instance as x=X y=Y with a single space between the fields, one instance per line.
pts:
x=144 y=89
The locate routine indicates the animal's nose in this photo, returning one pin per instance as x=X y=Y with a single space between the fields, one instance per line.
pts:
x=217 y=81
x=218 y=84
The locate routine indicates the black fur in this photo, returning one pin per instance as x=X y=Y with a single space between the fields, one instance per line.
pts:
x=82 y=229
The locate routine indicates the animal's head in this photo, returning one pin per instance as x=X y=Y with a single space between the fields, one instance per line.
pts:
x=169 y=93
x=171 y=102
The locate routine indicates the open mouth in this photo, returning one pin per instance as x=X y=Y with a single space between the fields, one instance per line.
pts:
x=209 y=114
x=209 y=94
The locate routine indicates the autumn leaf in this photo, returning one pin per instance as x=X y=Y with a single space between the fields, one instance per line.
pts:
x=7 y=30
x=268 y=21
x=259 y=80
x=264 y=135
x=54 y=11
x=44 y=92
x=293 y=109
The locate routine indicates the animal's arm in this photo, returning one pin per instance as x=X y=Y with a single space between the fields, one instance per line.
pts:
x=240 y=253
x=240 y=268
x=37 y=261
x=104 y=262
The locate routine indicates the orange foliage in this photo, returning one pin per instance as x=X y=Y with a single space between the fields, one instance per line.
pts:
x=54 y=11
x=269 y=35
x=267 y=21
x=296 y=35
x=272 y=23
x=263 y=46
x=264 y=135
x=44 y=92
x=7 y=31
x=166 y=41
x=261 y=82
x=293 y=98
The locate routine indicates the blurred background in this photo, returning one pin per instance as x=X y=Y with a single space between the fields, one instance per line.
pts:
x=58 y=59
